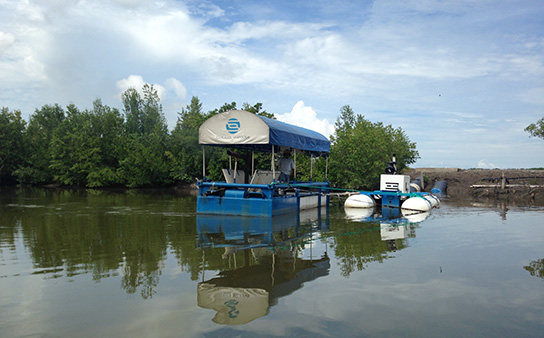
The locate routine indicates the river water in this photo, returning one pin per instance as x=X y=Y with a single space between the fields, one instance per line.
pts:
x=92 y=263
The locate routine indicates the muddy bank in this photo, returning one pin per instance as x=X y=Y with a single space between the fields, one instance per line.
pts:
x=519 y=186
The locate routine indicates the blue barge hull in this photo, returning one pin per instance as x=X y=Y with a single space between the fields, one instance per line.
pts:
x=218 y=198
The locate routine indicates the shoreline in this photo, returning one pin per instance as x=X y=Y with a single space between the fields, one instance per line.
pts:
x=511 y=185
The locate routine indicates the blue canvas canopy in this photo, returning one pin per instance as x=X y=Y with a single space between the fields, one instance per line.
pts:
x=242 y=129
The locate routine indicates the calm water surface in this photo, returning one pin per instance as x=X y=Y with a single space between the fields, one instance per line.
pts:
x=104 y=264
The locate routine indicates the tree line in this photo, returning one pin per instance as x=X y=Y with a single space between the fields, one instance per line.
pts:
x=106 y=147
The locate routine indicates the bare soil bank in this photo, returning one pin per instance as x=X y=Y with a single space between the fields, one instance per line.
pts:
x=520 y=185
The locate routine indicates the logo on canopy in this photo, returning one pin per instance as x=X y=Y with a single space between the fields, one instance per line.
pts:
x=233 y=126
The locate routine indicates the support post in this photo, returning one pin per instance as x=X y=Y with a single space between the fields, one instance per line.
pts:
x=295 y=170
x=311 y=167
x=273 y=165
x=327 y=168
x=203 y=162
x=252 y=162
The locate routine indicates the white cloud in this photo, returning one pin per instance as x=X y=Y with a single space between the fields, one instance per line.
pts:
x=240 y=32
x=165 y=34
x=207 y=9
x=130 y=3
x=6 y=40
x=482 y=164
x=306 y=117
x=23 y=43
x=137 y=82
x=133 y=81
x=178 y=87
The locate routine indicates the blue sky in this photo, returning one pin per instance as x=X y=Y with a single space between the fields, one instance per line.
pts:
x=461 y=78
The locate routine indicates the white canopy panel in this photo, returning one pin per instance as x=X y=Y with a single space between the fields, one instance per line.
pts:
x=238 y=128
x=234 y=127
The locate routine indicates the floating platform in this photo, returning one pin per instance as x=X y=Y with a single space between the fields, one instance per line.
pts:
x=259 y=193
x=259 y=200
x=394 y=193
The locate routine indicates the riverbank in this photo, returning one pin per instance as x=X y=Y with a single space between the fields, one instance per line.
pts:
x=519 y=185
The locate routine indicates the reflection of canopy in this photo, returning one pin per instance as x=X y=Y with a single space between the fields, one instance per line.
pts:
x=244 y=294
x=234 y=306
x=242 y=129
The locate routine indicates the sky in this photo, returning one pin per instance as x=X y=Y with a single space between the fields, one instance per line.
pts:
x=462 y=78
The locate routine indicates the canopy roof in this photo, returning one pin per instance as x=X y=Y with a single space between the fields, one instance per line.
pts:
x=242 y=129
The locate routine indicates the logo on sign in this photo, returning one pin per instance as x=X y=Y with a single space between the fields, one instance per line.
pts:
x=231 y=304
x=391 y=186
x=233 y=125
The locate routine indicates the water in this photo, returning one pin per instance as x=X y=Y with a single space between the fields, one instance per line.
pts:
x=92 y=263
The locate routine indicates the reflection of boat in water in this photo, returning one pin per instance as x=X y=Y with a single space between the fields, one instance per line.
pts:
x=269 y=263
x=389 y=231
x=244 y=294
x=415 y=217
x=393 y=227
x=385 y=214
x=358 y=214
x=234 y=305
x=253 y=232
x=395 y=224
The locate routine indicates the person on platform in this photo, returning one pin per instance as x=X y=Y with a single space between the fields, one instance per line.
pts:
x=287 y=166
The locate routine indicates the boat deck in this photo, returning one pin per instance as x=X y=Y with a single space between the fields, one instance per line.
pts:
x=259 y=200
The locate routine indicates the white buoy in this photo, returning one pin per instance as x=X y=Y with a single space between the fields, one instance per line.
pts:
x=435 y=202
x=421 y=203
x=359 y=201
x=417 y=204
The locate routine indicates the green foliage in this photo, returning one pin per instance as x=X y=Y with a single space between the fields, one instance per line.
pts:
x=146 y=160
x=184 y=143
x=12 y=128
x=310 y=168
x=35 y=169
x=257 y=109
x=75 y=151
x=109 y=130
x=536 y=129
x=224 y=108
x=361 y=149
x=102 y=147
x=98 y=148
x=85 y=147
x=143 y=115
